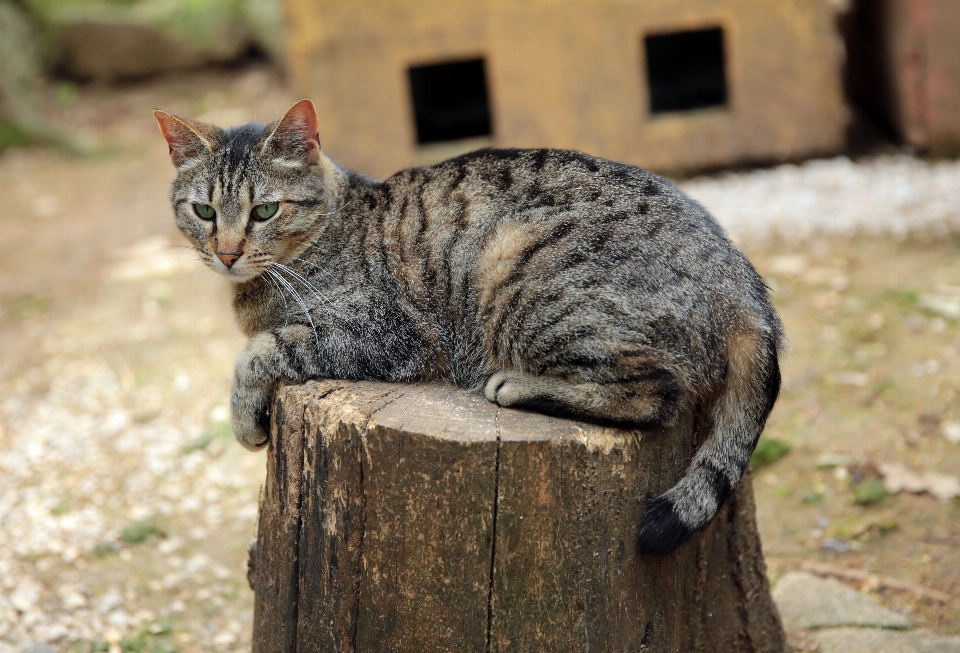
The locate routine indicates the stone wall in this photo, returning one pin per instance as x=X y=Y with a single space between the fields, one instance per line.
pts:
x=572 y=74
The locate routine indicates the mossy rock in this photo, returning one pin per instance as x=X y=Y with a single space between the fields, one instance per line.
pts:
x=768 y=451
x=109 y=40
x=869 y=492
x=21 y=81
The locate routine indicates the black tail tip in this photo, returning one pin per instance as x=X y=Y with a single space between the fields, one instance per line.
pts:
x=661 y=530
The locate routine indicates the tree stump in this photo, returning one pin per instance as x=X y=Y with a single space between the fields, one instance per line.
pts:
x=423 y=518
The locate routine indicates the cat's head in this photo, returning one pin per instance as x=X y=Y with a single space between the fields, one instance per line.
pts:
x=249 y=196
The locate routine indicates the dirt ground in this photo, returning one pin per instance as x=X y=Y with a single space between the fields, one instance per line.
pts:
x=126 y=509
x=872 y=379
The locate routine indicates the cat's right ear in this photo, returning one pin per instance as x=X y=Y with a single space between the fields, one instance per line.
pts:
x=185 y=140
x=296 y=136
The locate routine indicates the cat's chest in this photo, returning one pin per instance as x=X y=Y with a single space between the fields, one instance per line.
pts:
x=259 y=309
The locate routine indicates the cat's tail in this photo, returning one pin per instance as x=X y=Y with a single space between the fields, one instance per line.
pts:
x=739 y=413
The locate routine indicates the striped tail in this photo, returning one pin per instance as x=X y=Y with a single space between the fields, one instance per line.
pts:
x=739 y=415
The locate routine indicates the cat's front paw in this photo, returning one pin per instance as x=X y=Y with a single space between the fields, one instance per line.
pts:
x=250 y=419
x=253 y=382
x=507 y=388
x=538 y=393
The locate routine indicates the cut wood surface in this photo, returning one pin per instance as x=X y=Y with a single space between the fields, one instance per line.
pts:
x=424 y=518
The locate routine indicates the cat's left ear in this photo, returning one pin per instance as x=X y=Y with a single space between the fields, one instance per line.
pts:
x=186 y=140
x=297 y=135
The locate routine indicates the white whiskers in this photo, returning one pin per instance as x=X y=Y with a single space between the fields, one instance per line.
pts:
x=286 y=307
x=303 y=305
x=299 y=277
x=345 y=205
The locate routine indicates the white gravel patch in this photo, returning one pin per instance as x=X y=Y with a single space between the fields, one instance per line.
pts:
x=885 y=194
x=77 y=467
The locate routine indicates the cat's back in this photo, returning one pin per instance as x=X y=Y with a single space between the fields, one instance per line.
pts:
x=571 y=211
x=520 y=233
x=529 y=214
x=489 y=186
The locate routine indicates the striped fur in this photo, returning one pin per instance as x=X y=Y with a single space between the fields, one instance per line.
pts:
x=548 y=279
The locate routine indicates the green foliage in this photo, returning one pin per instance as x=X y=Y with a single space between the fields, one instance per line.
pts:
x=136 y=643
x=869 y=492
x=861 y=527
x=67 y=93
x=220 y=430
x=768 y=451
x=61 y=508
x=12 y=135
x=812 y=498
x=148 y=639
x=104 y=548
x=133 y=643
x=30 y=305
x=783 y=491
x=139 y=532
x=160 y=627
x=902 y=298
x=202 y=23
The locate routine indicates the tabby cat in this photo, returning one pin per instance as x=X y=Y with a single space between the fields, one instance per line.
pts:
x=549 y=279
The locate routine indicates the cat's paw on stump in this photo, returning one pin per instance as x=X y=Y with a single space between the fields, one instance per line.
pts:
x=251 y=427
x=505 y=388
x=254 y=376
x=250 y=415
x=521 y=390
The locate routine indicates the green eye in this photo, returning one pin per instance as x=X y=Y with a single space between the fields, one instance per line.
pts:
x=265 y=211
x=205 y=211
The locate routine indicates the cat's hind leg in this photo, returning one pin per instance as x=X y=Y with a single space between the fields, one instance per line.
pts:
x=651 y=396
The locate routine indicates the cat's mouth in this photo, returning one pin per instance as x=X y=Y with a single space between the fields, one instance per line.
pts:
x=237 y=272
x=242 y=277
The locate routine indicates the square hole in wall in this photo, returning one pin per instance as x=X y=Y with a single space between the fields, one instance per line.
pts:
x=685 y=70
x=450 y=101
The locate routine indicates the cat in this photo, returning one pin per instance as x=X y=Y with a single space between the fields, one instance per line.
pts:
x=548 y=279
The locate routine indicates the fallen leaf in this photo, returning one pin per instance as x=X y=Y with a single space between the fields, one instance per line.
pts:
x=941 y=305
x=951 y=431
x=858 y=379
x=854 y=528
x=898 y=478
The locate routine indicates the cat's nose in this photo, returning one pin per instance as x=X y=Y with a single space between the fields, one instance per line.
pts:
x=228 y=258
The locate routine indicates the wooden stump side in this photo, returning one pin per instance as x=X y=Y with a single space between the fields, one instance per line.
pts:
x=424 y=518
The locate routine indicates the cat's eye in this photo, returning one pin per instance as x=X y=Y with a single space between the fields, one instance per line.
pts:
x=205 y=211
x=265 y=211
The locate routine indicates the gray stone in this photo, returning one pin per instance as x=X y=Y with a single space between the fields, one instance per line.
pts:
x=876 y=640
x=807 y=601
x=39 y=647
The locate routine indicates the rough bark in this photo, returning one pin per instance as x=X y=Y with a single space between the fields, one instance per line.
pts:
x=424 y=518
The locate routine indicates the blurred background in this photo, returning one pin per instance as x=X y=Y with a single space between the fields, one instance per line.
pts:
x=822 y=134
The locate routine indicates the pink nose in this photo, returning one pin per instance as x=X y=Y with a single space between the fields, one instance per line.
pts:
x=228 y=258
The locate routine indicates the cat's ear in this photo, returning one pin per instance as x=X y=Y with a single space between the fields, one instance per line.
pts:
x=296 y=136
x=186 y=140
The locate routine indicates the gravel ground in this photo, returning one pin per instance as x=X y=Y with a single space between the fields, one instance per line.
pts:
x=125 y=509
x=891 y=194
